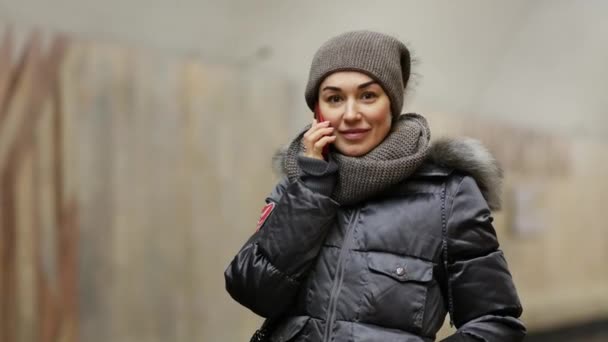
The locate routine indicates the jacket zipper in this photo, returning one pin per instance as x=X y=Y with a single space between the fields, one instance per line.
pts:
x=338 y=279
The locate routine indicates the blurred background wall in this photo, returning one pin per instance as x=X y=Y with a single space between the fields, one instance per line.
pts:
x=136 y=141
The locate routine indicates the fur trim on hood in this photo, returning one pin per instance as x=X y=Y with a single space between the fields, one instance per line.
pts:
x=466 y=155
x=470 y=156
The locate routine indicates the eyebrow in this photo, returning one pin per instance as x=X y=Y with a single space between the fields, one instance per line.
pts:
x=361 y=86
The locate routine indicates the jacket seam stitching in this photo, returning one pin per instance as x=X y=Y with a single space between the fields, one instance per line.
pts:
x=274 y=267
x=445 y=252
x=453 y=197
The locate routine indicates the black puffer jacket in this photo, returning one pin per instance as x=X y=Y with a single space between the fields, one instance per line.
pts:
x=378 y=271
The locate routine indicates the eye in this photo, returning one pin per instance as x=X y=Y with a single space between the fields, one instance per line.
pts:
x=334 y=99
x=369 y=95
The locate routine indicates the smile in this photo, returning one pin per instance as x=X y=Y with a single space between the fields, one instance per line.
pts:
x=354 y=135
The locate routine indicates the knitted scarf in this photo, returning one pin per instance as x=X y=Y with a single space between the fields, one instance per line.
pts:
x=394 y=159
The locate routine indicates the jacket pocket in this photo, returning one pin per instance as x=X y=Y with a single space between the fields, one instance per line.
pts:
x=396 y=290
x=289 y=328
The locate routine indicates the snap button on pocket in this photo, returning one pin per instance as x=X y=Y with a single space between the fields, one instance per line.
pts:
x=399 y=267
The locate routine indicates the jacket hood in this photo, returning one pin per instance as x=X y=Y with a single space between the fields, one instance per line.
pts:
x=470 y=156
x=464 y=155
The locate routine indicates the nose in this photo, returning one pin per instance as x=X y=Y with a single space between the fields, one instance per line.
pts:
x=351 y=111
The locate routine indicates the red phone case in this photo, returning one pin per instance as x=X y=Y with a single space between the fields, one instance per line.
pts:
x=320 y=118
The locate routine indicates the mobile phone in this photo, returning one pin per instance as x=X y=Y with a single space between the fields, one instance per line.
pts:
x=320 y=119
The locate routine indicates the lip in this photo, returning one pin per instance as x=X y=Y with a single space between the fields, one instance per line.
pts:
x=354 y=134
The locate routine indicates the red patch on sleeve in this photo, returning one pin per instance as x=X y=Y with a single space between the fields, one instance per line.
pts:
x=268 y=208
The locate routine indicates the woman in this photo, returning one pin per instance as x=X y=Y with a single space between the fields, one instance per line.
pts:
x=380 y=238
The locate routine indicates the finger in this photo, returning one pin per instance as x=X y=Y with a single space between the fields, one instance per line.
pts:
x=316 y=125
x=316 y=136
x=321 y=123
x=319 y=133
x=319 y=145
x=315 y=150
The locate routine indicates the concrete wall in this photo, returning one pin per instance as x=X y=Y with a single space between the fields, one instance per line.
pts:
x=539 y=63
x=533 y=66
x=173 y=169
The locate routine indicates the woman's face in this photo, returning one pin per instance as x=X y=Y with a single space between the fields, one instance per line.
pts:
x=359 y=110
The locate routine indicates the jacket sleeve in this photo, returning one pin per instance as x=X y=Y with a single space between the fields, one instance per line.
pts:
x=265 y=274
x=485 y=303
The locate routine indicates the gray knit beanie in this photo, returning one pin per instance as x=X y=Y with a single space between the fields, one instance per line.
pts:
x=383 y=58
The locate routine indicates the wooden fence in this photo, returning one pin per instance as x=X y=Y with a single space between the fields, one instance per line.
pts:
x=38 y=217
x=129 y=180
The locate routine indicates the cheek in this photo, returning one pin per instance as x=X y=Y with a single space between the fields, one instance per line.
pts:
x=329 y=114
x=334 y=120
x=335 y=123
x=381 y=132
x=381 y=118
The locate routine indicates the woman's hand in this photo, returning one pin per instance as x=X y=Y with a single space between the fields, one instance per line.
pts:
x=316 y=138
